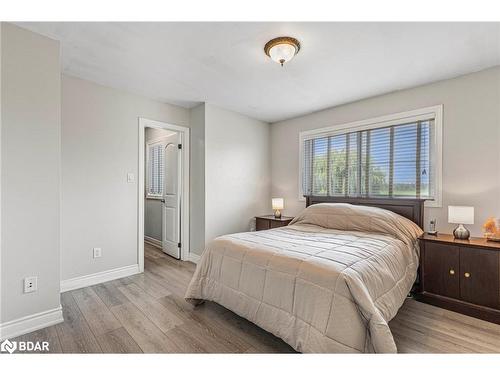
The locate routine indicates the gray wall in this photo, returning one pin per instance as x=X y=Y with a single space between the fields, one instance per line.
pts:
x=471 y=142
x=99 y=147
x=30 y=171
x=197 y=167
x=152 y=218
x=237 y=171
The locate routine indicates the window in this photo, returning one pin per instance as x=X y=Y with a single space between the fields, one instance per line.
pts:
x=155 y=168
x=391 y=156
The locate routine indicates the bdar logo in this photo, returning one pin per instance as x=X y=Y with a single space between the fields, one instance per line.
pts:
x=8 y=346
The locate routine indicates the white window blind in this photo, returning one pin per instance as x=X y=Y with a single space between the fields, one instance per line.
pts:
x=385 y=161
x=155 y=170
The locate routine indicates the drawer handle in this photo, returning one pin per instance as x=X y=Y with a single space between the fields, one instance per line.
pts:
x=452 y=272
x=467 y=274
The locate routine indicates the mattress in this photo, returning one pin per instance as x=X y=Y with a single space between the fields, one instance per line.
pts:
x=328 y=282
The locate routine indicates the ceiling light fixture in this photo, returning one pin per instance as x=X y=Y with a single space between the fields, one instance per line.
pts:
x=282 y=49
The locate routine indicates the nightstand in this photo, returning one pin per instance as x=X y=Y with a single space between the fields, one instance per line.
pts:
x=461 y=275
x=269 y=222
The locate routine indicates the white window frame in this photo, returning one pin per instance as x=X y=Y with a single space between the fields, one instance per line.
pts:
x=150 y=144
x=435 y=112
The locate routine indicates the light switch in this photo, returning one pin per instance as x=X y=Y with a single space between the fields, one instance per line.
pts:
x=130 y=178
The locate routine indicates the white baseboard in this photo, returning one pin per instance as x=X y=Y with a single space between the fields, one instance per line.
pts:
x=153 y=241
x=195 y=258
x=99 y=277
x=30 y=323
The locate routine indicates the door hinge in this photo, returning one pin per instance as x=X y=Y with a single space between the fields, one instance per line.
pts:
x=179 y=146
x=179 y=245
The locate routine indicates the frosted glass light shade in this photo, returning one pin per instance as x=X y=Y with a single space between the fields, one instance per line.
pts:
x=278 y=203
x=282 y=49
x=460 y=214
x=282 y=53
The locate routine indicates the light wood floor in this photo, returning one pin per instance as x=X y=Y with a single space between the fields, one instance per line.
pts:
x=146 y=313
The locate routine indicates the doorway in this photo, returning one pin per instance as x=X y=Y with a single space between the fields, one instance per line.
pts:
x=163 y=214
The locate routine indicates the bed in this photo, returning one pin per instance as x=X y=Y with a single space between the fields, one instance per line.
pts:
x=327 y=283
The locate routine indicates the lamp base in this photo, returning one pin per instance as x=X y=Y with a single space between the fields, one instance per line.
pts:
x=277 y=214
x=461 y=232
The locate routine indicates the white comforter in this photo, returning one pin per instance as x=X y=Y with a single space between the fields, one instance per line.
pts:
x=329 y=282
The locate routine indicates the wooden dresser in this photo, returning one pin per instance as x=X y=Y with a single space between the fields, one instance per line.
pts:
x=269 y=222
x=463 y=276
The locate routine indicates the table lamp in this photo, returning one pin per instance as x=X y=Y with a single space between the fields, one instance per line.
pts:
x=278 y=205
x=461 y=215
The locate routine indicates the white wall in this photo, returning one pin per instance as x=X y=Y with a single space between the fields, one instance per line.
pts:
x=30 y=171
x=153 y=133
x=152 y=219
x=99 y=147
x=237 y=171
x=471 y=142
x=197 y=167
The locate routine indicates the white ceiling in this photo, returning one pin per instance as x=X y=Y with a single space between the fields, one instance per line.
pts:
x=224 y=63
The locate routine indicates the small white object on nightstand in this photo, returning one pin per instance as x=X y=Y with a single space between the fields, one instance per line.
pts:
x=461 y=215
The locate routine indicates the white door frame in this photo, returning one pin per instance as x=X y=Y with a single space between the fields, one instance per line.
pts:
x=184 y=173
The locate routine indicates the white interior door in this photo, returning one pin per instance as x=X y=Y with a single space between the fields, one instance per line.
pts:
x=171 y=206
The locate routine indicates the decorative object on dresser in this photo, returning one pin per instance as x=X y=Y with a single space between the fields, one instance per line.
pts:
x=278 y=204
x=461 y=215
x=461 y=275
x=492 y=229
x=270 y=222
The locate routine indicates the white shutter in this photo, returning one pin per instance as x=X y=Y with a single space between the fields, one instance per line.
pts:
x=155 y=168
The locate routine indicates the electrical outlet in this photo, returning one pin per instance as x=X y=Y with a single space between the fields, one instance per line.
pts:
x=30 y=284
x=97 y=252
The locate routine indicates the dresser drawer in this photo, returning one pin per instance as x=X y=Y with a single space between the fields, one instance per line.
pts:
x=262 y=224
x=270 y=222
x=278 y=224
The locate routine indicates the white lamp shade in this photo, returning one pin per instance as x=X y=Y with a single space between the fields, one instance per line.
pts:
x=282 y=52
x=278 y=203
x=460 y=215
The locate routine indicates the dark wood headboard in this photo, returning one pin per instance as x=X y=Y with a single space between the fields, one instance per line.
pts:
x=412 y=209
